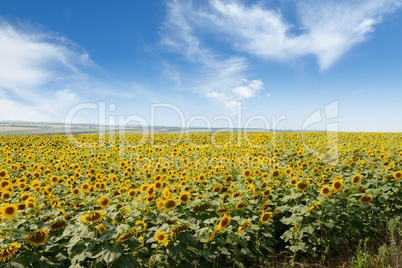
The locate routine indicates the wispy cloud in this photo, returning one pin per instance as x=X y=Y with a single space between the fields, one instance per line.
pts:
x=213 y=75
x=35 y=71
x=328 y=28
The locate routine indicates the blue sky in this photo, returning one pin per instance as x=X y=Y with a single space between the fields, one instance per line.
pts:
x=310 y=64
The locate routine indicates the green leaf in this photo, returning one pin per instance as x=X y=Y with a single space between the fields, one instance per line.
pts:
x=205 y=252
x=243 y=243
x=176 y=252
x=106 y=235
x=127 y=261
x=223 y=250
x=299 y=247
x=186 y=237
x=110 y=254
x=18 y=263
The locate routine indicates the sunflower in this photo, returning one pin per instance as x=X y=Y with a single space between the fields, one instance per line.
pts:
x=5 y=183
x=3 y=173
x=170 y=204
x=58 y=225
x=263 y=185
x=79 y=205
x=75 y=191
x=267 y=192
x=184 y=197
x=132 y=193
x=67 y=217
x=276 y=173
x=161 y=237
x=92 y=218
x=37 y=238
x=9 y=210
x=54 y=179
x=216 y=189
x=104 y=201
x=315 y=205
x=337 y=185
x=201 y=207
x=302 y=185
x=127 y=235
x=212 y=236
x=143 y=223
x=6 y=195
x=366 y=199
x=48 y=189
x=228 y=178
x=236 y=194
x=397 y=175
x=241 y=205
x=266 y=205
x=85 y=186
x=179 y=228
x=266 y=217
x=356 y=179
x=222 y=210
x=224 y=222
x=8 y=252
x=247 y=173
x=244 y=226
x=101 y=228
x=326 y=191
x=158 y=185
x=293 y=181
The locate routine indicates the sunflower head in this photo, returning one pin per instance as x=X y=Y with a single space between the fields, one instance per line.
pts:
x=201 y=207
x=356 y=179
x=337 y=185
x=302 y=185
x=366 y=199
x=170 y=204
x=161 y=237
x=244 y=226
x=37 y=238
x=224 y=222
x=241 y=205
x=9 y=210
x=247 y=173
x=184 y=197
x=179 y=228
x=266 y=205
x=326 y=191
x=127 y=235
x=397 y=175
x=7 y=252
x=58 y=225
x=92 y=218
x=104 y=201
x=276 y=173
x=266 y=217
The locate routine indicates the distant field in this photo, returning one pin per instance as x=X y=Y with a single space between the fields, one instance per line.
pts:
x=46 y=129
x=40 y=129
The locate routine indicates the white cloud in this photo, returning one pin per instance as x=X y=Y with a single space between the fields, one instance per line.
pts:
x=212 y=75
x=35 y=71
x=216 y=95
x=249 y=90
x=329 y=28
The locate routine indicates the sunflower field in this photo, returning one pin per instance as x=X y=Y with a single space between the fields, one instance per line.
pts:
x=192 y=200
